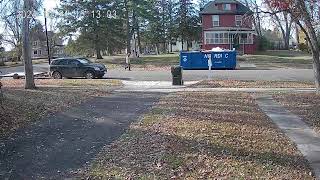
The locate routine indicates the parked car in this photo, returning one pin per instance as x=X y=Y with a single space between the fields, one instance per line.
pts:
x=76 y=67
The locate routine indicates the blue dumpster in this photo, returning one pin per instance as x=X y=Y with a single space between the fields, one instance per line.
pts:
x=199 y=59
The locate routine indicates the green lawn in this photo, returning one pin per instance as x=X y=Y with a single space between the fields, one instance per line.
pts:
x=279 y=59
x=144 y=62
x=20 y=63
x=263 y=60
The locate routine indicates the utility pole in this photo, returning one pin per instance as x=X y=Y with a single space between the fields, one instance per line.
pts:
x=28 y=68
x=45 y=24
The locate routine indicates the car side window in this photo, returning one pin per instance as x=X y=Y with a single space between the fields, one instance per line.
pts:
x=74 y=62
x=63 y=62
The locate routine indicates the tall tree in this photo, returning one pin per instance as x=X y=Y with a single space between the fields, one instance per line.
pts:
x=188 y=22
x=99 y=21
x=284 y=21
x=11 y=16
x=28 y=69
x=306 y=14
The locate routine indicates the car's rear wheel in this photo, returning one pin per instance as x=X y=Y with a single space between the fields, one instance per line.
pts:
x=56 y=75
x=89 y=75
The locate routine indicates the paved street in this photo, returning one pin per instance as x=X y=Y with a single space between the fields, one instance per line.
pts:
x=275 y=74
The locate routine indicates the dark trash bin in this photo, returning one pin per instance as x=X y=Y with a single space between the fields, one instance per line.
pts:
x=176 y=72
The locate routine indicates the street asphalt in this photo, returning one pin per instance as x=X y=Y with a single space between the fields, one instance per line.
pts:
x=196 y=75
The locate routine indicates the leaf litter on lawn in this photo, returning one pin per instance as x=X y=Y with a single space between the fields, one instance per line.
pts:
x=21 y=107
x=306 y=105
x=202 y=136
x=252 y=84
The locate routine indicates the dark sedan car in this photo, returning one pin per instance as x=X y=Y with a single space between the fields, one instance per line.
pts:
x=76 y=67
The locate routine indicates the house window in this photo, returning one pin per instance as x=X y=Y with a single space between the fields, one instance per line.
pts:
x=238 y=20
x=35 y=43
x=227 y=7
x=40 y=52
x=216 y=38
x=246 y=38
x=215 y=20
x=35 y=52
x=227 y=38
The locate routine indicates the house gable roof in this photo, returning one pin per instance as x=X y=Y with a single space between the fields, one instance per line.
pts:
x=212 y=8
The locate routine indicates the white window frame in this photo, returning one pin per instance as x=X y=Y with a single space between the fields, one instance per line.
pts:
x=224 y=37
x=217 y=38
x=215 y=20
x=227 y=7
x=238 y=20
x=35 y=43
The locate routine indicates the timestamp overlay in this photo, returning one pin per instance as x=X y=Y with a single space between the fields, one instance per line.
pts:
x=96 y=14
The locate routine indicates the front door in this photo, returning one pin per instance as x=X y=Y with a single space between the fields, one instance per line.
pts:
x=236 y=41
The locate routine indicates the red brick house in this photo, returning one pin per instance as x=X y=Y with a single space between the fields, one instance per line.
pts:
x=228 y=24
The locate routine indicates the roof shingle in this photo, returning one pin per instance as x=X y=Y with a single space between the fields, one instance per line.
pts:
x=211 y=8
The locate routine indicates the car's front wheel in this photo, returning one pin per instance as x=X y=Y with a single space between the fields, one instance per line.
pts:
x=56 y=75
x=89 y=75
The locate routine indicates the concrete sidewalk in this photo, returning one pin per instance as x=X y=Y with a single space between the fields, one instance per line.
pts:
x=167 y=87
x=59 y=145
x=307 y=140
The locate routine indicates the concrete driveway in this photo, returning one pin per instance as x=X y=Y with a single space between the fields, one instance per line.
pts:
x=195 y=75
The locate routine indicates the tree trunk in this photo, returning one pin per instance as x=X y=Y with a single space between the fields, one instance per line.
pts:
x=316 y=68
x=28 y=68
x=312 y=41
x=98 y=53
x=157 y=49
x=138 y=36
x=127 y=26
x=182 y=44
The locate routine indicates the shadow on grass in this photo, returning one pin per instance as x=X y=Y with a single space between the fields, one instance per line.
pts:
x=202 y=135
x=57 y=146
x=157 y=155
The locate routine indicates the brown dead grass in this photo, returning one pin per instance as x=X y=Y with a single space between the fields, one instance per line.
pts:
x=251 y=84
x=21 y=107
x=306 y=105
x=202 y=136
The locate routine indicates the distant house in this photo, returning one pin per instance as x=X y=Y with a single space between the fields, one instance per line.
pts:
x=39 y=45
x=228 y=24
x=177 y=46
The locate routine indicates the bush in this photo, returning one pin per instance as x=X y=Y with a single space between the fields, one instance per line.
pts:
x=303 y=47
x=264 y=44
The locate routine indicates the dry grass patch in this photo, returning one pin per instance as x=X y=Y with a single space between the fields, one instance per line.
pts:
x=21 y=107
x=306 y=105
x=202 y=136
x=279 y=59
x=252 y=84
x=161 y=62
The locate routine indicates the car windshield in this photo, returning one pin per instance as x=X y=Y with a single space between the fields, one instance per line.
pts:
x=84 y=61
